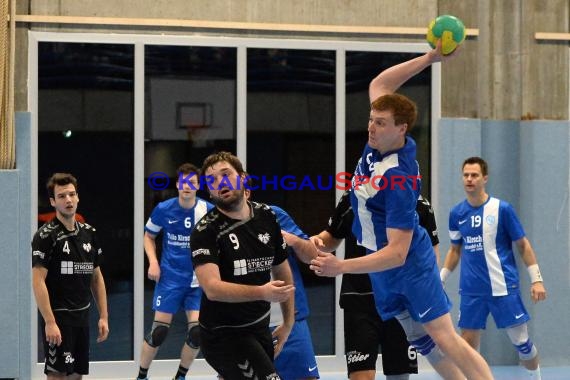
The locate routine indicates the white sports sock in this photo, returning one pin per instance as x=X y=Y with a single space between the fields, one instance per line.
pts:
x=534 y=374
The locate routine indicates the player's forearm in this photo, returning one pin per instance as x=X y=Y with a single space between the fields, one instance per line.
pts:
x=42 y=300
x=283 y=272
x=527 y=253
x=304 y=249
x=150 y=248
x=392 y=255
x=223 y=291
x=100 y=295
x=386 y=258
x=288 y=311
x=437 y=255
x=451 y=259
x=389 y=80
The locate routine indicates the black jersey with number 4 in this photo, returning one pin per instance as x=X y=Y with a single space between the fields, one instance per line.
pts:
x=70 y=258
x=244 y=251
x=356 y=290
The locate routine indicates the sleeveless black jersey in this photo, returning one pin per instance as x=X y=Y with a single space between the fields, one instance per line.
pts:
x=244 y=251
x=356 y=290
x=70 y=258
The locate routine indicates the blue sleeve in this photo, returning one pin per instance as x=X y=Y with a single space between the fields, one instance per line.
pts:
x=401 y=200
x=454 y=233
x=287 y=224
x=155 y=221
x=511 y=222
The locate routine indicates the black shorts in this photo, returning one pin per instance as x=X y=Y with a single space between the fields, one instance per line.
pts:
x=364 y=332
x=242 y=354
x=72 y=356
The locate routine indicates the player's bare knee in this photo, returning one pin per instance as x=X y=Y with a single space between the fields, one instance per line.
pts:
x=157 y=334
x=520 y=339
x=193 y=335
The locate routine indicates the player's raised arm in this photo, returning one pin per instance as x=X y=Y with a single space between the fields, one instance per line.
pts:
x=389 y=80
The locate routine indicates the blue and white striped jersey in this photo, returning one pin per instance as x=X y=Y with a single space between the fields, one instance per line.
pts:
x=486 y=235
x=389 y=198
x=177 y=223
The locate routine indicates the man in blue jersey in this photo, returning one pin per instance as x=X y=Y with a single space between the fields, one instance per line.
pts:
x=297 y=358
x=364 y=330
x=482 y=230
x=176 y=284
x=400 y=258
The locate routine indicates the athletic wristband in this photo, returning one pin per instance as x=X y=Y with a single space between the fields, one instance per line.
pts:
x=444 y=274
x=534 y=273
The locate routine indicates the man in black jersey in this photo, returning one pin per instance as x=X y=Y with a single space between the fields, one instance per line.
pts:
x=236 y=248
x=364 y=330
x=65 y=270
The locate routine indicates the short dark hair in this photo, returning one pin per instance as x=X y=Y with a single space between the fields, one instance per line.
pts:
x=402 y=107
x=477 y=160
x=187 y=168
x=223 y=156
x=60 y=179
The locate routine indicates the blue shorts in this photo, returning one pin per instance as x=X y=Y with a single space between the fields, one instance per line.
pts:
x=170 y=297
x=415 y=287
x=297 y=359
x=507 y=311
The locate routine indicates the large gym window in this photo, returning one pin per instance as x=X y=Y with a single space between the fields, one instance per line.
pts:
x=85 y=127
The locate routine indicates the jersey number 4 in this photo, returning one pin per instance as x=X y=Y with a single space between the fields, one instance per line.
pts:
x=66 y=247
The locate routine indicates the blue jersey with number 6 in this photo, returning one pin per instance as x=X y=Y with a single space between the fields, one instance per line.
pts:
x=486 y=235
x=176 y=223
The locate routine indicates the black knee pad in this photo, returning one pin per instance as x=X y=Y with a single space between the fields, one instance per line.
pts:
x=157 y=334
x=193 y=335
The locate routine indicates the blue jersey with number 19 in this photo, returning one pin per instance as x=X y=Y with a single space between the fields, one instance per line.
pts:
x=177 y=223
x=486 y=234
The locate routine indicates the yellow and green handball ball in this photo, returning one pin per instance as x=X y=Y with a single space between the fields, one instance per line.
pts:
x=449 y=29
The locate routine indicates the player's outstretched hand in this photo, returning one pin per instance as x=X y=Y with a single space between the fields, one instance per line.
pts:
x=436 y=54
x=326 y=265
x=537 y=292
x=277 y=291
